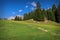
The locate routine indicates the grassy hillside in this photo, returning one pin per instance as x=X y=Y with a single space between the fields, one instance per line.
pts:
x=28 y=30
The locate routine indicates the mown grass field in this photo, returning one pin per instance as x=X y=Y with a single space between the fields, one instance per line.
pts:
x=28 y=30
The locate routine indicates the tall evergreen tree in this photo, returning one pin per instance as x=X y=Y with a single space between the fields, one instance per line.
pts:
x=58 y=13
x=38 y=6
x=17 y=18
x=53 y=8
x=38 y=16
x=53 y=12
x=44 y=14
x=26 y=16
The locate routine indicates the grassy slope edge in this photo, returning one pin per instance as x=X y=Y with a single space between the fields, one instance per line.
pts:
x=27 y=30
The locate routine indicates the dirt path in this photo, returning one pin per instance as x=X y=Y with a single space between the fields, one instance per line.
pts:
x=43 y=29
x=46 y=30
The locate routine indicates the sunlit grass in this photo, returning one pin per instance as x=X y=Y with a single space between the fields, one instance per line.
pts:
x=27 y=30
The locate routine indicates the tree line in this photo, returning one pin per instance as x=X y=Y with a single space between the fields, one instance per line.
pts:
x=40 y=14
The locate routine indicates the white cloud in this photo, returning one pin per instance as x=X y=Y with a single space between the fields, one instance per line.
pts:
x=32 y=8
x=33 y=4
x=26 y=6
x=20 y=10
x=11 y=18
x=13 y=12
x=48 y=8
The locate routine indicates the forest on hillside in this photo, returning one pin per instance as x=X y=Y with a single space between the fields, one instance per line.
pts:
x=40 y=14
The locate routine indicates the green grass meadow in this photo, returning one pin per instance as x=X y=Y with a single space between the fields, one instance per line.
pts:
x=28 y=30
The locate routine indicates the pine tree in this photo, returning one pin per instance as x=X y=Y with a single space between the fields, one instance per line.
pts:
x=58 y=14
x=49 y=14
x=53 y=8
x=44 y=12
x=38 y=16
x=20 y=18
x=53 y=12
x=16 y=18
x=25 y=16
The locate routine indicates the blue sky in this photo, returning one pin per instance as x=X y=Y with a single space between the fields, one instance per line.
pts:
x=19 y=7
